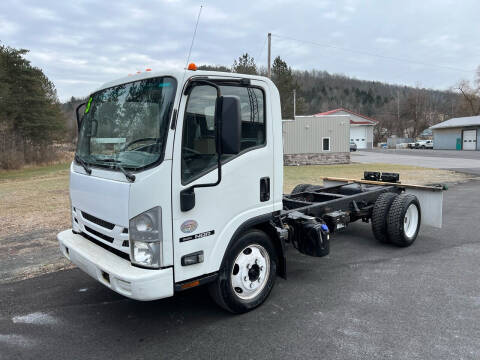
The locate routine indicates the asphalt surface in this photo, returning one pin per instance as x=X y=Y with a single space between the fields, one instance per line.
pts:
x=461 y=161
x=365 y=301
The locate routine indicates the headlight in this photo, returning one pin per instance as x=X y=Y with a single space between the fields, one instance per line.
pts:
x=145 y=232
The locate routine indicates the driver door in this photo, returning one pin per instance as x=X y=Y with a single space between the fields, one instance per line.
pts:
x=219 y=210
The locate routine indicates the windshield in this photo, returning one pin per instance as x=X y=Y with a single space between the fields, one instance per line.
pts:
x=126 y=125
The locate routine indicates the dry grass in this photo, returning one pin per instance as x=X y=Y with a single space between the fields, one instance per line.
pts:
x=33 y=198
x=314 y=174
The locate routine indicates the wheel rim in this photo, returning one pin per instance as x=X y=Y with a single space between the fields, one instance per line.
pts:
x=250 y=272
x=410 y=222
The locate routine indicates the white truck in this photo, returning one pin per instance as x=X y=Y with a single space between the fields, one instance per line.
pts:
x=424 y=144
x=177 y=182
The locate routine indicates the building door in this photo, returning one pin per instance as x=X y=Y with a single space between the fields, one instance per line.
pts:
x=469 y=139
x=358 y=135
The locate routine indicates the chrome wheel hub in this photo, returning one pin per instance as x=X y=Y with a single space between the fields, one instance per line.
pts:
x=250 y=272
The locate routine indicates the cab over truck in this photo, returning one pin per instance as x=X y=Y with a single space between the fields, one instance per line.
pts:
x=177 y=182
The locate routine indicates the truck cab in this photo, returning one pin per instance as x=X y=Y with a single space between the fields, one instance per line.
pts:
x=162 y=183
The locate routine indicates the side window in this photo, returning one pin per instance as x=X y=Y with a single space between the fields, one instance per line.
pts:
x=198 y=139
x=252 y=111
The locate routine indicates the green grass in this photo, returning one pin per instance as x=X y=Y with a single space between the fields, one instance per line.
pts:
x=35 y=171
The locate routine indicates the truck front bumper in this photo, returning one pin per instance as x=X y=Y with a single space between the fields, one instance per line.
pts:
x=114 y=272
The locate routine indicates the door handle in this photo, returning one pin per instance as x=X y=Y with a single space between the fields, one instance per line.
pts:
x=264 y=189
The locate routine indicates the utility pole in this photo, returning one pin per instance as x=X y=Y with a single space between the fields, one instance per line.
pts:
x=398 y=109
x=269 y=54
x=294 y=103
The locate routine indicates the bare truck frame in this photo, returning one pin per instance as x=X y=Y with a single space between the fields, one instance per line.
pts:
x=312 y=212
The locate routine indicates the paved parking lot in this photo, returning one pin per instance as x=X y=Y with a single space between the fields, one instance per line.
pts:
x=364 y=301
x=463 y=161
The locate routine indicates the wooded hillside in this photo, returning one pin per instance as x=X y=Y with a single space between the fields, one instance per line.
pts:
x=400 y=110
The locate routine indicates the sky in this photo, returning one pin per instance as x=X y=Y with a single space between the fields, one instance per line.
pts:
x=82 y=44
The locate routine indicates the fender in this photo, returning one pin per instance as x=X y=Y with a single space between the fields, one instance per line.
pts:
x=265 y=223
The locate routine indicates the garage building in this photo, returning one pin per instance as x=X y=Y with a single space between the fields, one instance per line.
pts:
x=361 y=127
x=316 y=140
x=457 y=134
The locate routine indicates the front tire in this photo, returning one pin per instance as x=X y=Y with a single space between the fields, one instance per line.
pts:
x=404 y=219
x=247 y=275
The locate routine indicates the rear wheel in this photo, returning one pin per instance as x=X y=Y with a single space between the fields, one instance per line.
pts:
x=404 y=218
x=248 y=275
x=380 y=214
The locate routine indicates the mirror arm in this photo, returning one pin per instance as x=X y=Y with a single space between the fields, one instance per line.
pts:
x=187 y=196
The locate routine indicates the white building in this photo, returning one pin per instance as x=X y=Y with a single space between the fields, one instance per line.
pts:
x=361 y=127
x=457 y=134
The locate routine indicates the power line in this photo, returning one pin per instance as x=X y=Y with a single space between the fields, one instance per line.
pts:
x=261 y=51
x=373 y=54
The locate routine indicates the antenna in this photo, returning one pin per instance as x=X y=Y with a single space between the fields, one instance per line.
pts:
x=193 y=38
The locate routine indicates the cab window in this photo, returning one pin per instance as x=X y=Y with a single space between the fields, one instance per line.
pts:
x=199 y=154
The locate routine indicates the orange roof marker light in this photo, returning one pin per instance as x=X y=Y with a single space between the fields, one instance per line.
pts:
x=139 y=72
x=192 y=67
x=148 y=69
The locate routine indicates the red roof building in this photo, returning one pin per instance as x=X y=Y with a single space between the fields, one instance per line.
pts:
x=361 y=126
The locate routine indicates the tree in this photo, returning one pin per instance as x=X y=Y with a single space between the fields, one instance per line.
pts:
x=31 y=116
x=220 y=68
x=245 y=65
x=470 y=95
x=283 y=79
x=415 y=113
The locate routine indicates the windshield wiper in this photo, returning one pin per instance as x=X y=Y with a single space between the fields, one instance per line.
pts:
x=127 y=174
x=84 y=164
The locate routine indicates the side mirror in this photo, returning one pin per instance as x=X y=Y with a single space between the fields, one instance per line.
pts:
x=231 y=124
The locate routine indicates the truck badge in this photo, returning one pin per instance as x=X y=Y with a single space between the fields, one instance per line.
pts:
x=189 y=226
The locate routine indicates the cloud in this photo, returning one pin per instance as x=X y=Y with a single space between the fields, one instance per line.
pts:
x=442 y=42
x=8 y=27
x=386 y=41
x=82 y=44
x=330 y=15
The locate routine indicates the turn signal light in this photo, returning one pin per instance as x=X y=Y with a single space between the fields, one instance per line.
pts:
x=190 y=284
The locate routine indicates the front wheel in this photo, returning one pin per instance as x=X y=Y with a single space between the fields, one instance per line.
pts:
x=248 y=274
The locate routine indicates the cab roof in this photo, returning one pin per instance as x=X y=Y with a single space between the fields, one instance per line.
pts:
x=179 y=75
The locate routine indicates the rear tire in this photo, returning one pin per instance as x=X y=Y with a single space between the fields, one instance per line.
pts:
x=247 y=275
x=380 y=214
x=300 y=188
x=404 y=219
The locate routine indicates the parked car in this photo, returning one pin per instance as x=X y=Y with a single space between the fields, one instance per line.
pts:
x=411 y=145
x=424 y=144
x=353 y=146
